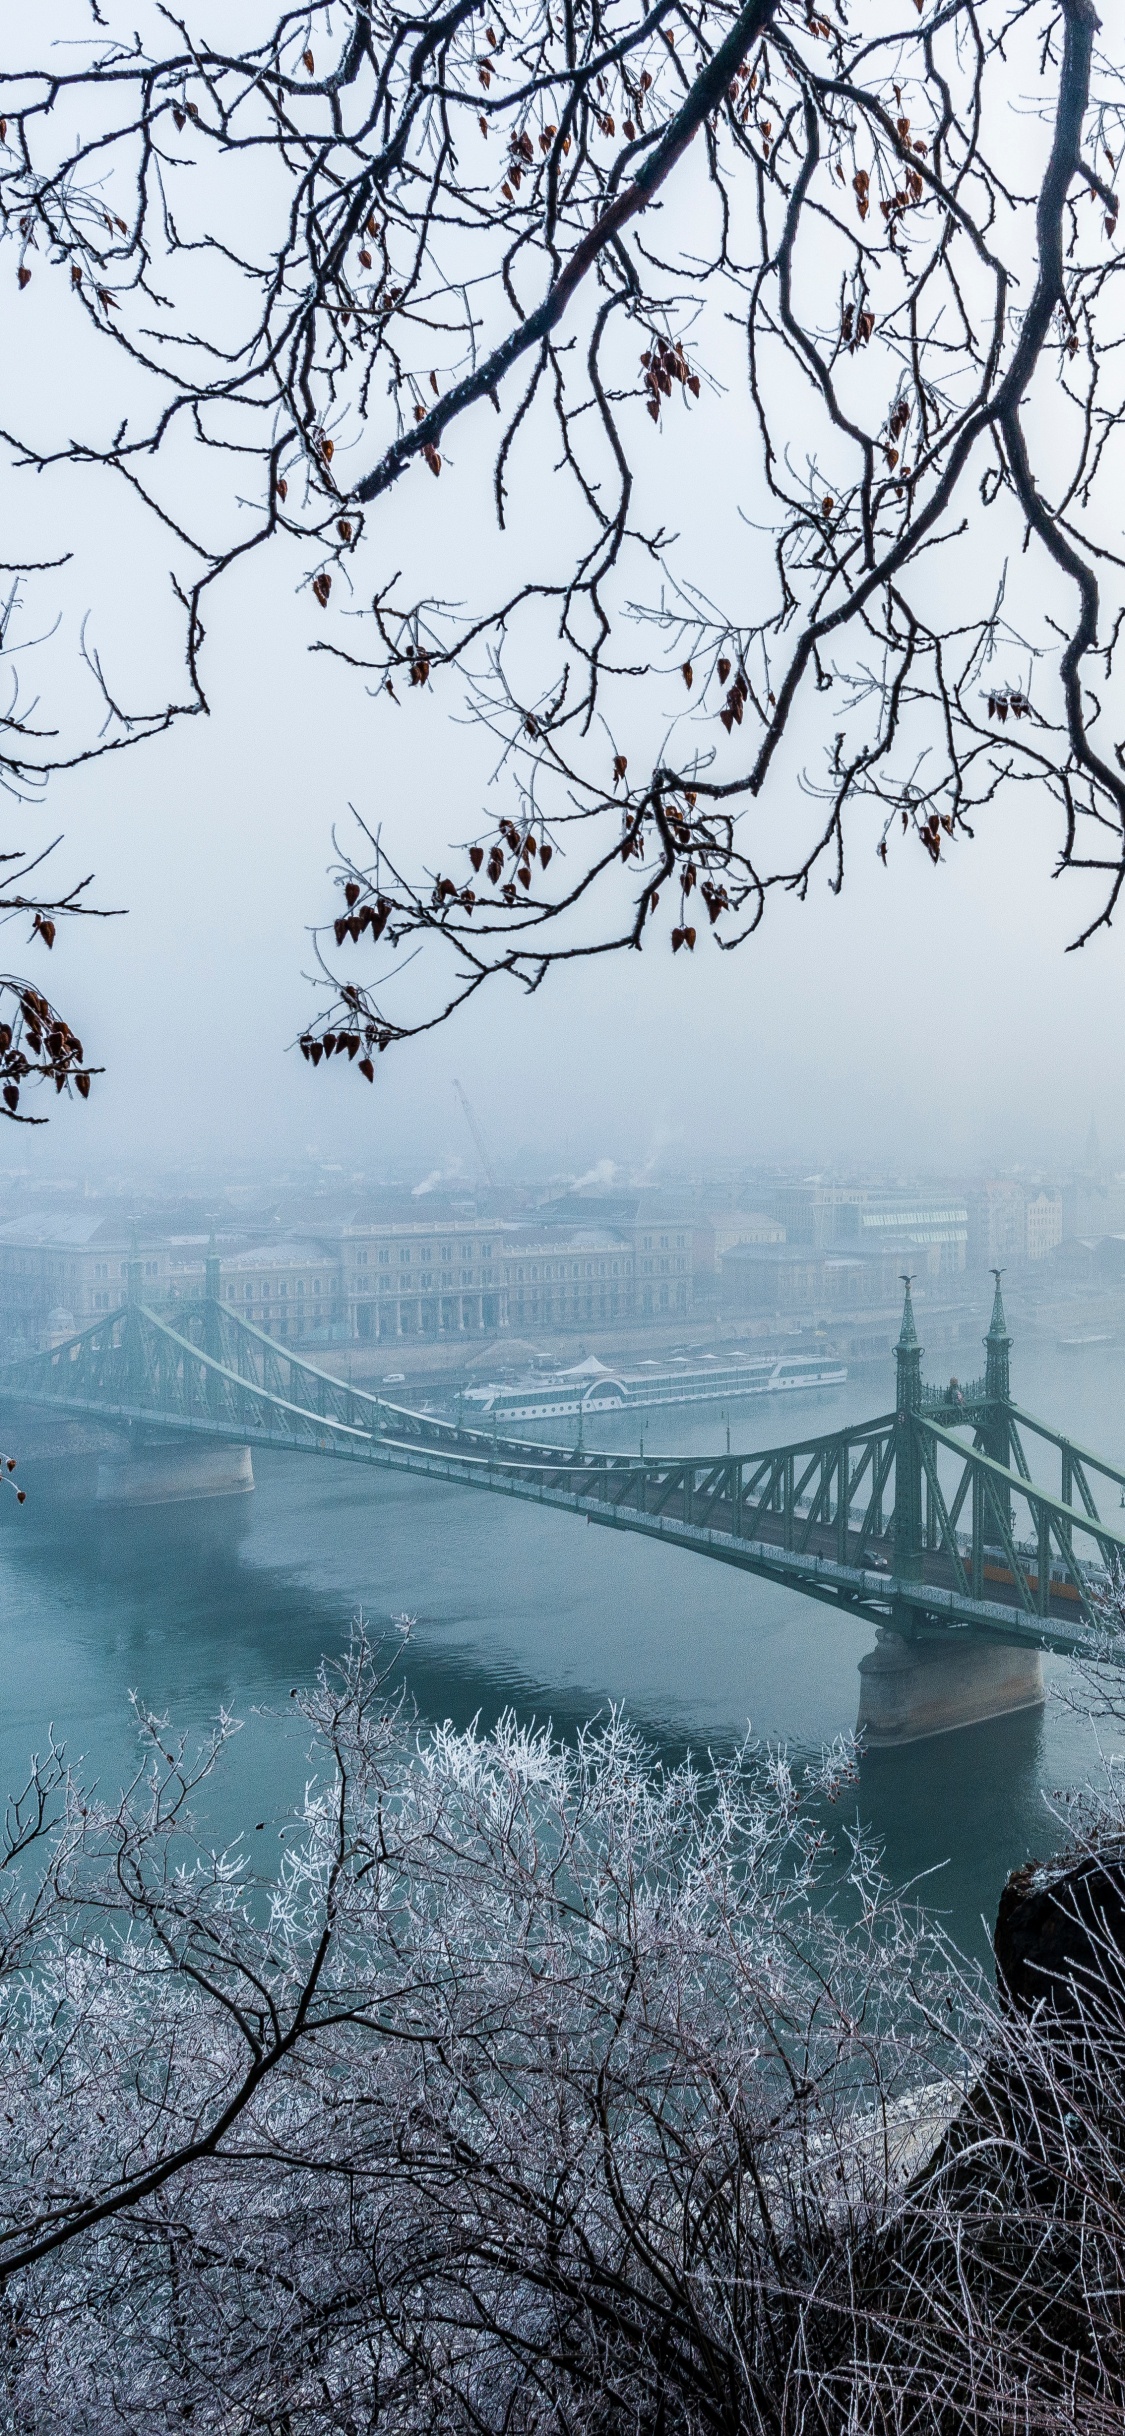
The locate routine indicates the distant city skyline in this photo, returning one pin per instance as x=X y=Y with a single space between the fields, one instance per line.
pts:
x=316 y=1257
x=52 y=1170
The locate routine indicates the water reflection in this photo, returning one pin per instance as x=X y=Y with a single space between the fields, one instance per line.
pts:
x=949 y=1811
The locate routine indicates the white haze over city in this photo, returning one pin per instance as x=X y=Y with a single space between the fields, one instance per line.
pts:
x=928 y=1017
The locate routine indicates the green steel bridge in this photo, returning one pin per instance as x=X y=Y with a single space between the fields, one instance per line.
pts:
x=926 y=1519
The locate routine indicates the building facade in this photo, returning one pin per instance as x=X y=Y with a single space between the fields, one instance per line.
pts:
x=58 y=1274
x=1043 y=1221
x=75 y=1266
x=372 y=1279
x=414 y=1279
x=816 y=1215
x=474 y=1277
x=927 y=1227
x=763 y=1281
x=758 y=1280
x=925 y=1231
x=714 y=1236
x=290 y=1287
x=1011 y=1222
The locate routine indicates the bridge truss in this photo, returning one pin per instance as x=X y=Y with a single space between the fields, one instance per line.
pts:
x=927 y=1517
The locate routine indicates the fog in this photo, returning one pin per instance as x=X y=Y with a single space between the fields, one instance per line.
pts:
x=926 y=1014
x=927 y=1017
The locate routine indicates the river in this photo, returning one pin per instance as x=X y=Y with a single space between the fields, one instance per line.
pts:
x=515 y=1605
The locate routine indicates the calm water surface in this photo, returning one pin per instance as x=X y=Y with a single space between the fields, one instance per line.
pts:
x=519 y=1607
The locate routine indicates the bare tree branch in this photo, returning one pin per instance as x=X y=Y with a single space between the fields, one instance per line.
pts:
x=930 y=397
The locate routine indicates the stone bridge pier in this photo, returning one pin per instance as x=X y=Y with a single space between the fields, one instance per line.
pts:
x=173 y=1471
x=912 y=1688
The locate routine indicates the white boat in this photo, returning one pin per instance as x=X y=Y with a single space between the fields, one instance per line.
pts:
x=592 y=1388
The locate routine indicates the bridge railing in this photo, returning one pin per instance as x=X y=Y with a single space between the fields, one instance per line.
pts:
x=836 y=1500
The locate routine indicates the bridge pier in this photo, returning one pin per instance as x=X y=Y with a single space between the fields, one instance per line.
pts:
x=174 y=1473
x=911 y=1689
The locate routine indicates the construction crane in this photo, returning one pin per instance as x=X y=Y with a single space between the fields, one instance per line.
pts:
x=476 y=1133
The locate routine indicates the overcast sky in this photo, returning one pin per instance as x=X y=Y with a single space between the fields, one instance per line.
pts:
x=926 y=1018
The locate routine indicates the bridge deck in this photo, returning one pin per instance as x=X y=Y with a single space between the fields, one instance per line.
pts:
x=866 y=1519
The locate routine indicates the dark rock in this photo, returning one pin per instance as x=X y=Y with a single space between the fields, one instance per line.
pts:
x=1060 y=1933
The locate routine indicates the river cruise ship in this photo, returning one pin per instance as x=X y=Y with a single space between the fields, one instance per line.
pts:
x=593 y=1388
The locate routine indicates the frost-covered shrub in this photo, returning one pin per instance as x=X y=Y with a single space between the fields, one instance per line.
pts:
x=542 y=2088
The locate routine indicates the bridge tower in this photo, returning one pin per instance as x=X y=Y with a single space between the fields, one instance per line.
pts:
x=920 y=1680
x=996 y=1429
x=131 y=1337
x=908 y=1543
x=159 y=1469
x=213 y=1315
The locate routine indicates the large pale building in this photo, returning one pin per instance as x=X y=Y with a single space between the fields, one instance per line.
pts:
x=417 y=1278
x=581 y=1265
x=925 y=1231
x=440 y=1274
x=1011 y=1222
x=720 y=1233
x=816 y=1214
x=1043 y=1220
x=925 y=1226
x=288 y=1285
x=63 y=1271
x=75 y=1264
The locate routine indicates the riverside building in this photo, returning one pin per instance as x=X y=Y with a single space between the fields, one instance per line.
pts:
x=61 y=1272
x=373 y=1278
x=474 y=1277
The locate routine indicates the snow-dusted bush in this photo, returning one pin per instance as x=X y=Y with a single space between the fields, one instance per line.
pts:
x=540 y=2089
